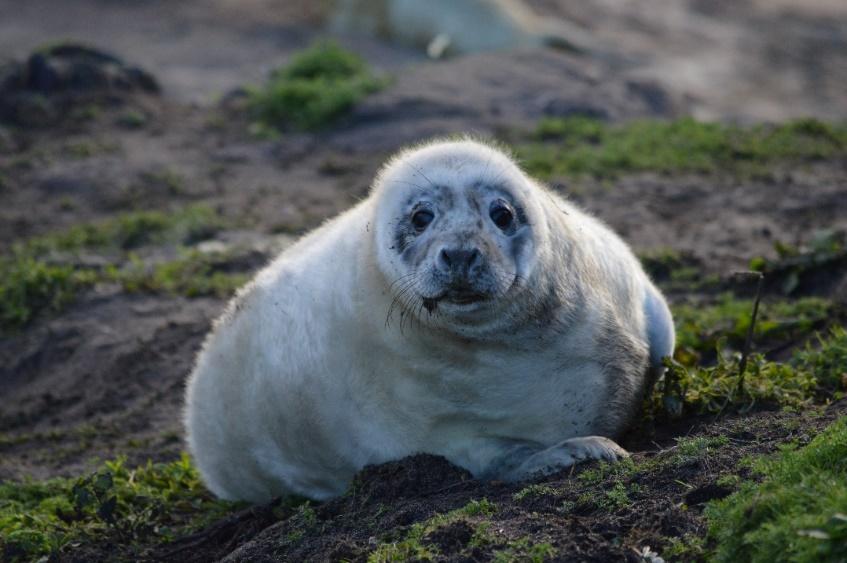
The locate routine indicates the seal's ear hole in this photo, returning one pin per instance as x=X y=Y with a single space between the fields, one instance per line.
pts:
x=501 y=215
x=421 y=219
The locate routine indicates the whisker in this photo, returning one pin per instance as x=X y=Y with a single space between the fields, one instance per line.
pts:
x=420 y=171
x=408 y=184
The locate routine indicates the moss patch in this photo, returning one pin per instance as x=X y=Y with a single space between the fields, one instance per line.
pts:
x=131 y=230
x=796 y=266
x=580 y=146
x=700 y=327
x=46 y=273
x=28 y=286
x=412 y=546
x=817 y=369
x=194 y=274
x=525 y=551
x=153 y=503
x=826 y=358
x=315 y=88
x=798 y=512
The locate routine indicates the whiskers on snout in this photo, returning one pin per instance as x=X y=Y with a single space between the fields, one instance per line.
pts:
x=456 y=295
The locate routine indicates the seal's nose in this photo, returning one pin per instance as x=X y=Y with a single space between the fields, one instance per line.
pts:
x=459 y=261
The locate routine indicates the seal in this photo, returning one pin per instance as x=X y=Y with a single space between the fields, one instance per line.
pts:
x=462 y=310
x=447 y=27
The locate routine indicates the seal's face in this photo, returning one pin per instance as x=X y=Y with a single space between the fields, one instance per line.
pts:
x=456 y=231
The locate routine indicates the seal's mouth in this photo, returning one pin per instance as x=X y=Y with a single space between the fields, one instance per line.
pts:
x=465 y=297
x=461 y=296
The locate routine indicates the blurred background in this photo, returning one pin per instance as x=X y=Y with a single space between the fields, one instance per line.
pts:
x=745 y=59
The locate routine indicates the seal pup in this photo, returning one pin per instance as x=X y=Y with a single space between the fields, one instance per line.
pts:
x=450 y=27
x=462 y=309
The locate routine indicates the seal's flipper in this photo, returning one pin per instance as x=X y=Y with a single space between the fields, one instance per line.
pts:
x=564 y=455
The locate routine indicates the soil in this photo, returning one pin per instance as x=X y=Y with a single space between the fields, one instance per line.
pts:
x=105 y=377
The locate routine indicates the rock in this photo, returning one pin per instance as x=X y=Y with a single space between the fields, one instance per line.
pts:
x=54 y=80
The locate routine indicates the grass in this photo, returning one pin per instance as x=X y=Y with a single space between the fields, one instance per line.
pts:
x=615 y=498
x=28 y=286
x=585 y=147
x=826 y=250
x=674 y=270
x=826 y=358
x=798 y=512
x=713 y=389
x=317 y=87
x=126 y=507
x=689 y=450
x=194 y=274
x=130 y=231
x=412 y=546
x=816 y=370
x=700 y=327
x=534 y=491
x=45 y=273
x=525 y=551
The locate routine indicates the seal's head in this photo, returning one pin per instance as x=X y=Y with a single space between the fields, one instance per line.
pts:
x=458 y=227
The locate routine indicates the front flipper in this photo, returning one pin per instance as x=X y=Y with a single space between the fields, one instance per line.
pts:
x=555 y=458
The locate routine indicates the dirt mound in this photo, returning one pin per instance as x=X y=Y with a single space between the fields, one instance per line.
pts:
x=590 y=514
x=418 y=475
x=56 y=81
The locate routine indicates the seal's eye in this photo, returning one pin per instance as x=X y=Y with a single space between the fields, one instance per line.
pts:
x=502 y=217
x=421 y=219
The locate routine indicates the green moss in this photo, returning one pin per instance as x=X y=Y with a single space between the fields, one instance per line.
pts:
x=826 y=358
x=194 y=274
x=152 y=503
x=687 y=548
x=671 y=269
x=700 y=327
x=798 y=512
x=411 y=546
x=132 y=119
x=816 y=370
x=825 y=250
x=602 y=470
x=315 y=88
x=42 y=274
x=82 y=149
x=131 y=230
x=534 y=491
x=689 y=450
x=580 y=146
x=524 y=550
x=713 y=389
x=617 y=497
x=28 y=286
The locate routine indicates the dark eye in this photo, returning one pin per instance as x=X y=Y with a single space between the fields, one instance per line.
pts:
x=422 y=218
x=502 y=217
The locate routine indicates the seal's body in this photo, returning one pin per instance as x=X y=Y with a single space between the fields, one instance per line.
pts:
x=450 y=27
x=460 y=310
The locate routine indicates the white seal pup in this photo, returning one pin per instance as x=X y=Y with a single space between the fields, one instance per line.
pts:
x=446 y=27
x=461 y=309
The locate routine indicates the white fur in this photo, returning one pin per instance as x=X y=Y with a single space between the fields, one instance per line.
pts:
x=303 y=381
x=465 y=26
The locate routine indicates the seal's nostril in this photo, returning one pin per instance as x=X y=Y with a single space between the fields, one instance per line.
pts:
x=460 y=259
x=474 y=257
x=445 y=257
